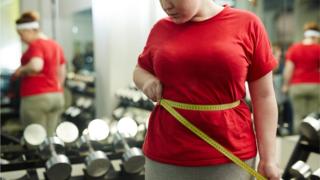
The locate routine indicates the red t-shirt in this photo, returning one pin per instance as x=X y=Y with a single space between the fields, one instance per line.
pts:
x=306 y=60
x=47 y=80
x=205 y=62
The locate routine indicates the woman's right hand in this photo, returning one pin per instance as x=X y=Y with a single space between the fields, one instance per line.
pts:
x=270 y=170
x=285 y=89
x=17 y=73
x=152 y=88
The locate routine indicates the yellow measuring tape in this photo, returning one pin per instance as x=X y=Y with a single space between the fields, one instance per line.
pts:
x=170 y=105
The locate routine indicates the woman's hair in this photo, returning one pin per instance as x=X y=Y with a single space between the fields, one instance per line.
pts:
x=29 y=16
x=311 y=26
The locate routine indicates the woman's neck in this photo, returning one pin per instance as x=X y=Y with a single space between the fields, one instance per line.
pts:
x=37 y=36
x=208 y=10
x=308 y=41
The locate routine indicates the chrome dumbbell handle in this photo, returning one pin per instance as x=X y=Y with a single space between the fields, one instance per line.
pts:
x=97 y=162
x=52 y=149
x=133 y=158
x=120 y=138
x=87 y=141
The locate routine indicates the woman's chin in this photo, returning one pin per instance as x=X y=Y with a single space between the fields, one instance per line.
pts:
x=178 y=20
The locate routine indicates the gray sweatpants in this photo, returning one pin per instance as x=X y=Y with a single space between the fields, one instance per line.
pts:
x=159 y=171
x=44 y=109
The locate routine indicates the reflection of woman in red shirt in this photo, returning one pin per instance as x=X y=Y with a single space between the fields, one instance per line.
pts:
x=42 y=74
x=302 y=74
x=203 y=54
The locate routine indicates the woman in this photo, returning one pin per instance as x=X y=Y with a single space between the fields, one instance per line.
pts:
x=302 y=74
x=42 y=74
x=202 y=54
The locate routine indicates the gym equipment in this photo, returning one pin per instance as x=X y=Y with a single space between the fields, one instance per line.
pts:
x=67 y=132
x=84 y=103
x=34 y=134
x=300 y=170
x=310 y=128
x=73 y=111
x=97 y=162
x=135 y=98
x=133 y=159
x=127 y=127
x=98 y=130
x=315 y=175
x=58 y=165
x=80 y=116
x=308 y=142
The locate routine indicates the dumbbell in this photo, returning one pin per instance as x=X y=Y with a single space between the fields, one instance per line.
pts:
x=67 y=132
x=73 y=111
x=300 y=170
x=84 y=103
x=58 y=165
x=97 y=163
x=315 y=175
x=127 y=127
x=34 y=134
x=118 y=112
x=132 y=158
x=310 y=128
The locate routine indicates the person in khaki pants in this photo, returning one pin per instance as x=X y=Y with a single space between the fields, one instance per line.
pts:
x=42 y=74
x=44 y=109
x=302 y=74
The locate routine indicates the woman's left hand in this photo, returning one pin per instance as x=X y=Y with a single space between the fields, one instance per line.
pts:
x=270 y=170
x=17 y=74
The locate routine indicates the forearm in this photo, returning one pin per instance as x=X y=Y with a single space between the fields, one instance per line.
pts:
x=26 y=70
x=35 y=65
x=141 y=76
x=265 y=120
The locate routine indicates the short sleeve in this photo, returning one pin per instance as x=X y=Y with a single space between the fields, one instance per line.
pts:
x=262 y=61
x=145 y=60
x=35 y=50
x=289 y=56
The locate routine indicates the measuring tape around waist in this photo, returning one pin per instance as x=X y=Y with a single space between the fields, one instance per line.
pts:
x=170 y=105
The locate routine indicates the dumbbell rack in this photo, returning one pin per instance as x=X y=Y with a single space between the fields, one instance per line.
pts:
x=33 y=161
x=302 y=151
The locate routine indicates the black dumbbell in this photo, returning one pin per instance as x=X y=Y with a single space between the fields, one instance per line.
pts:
x=58 y=165
x=300 y=170
x=315 y=175
x=310 y=128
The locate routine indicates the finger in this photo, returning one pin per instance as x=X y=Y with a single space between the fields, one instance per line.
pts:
x=148 y=93
x=158 y=92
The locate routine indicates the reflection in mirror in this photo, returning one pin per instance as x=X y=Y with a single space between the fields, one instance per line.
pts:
x=82 y=60
x=81 y=77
